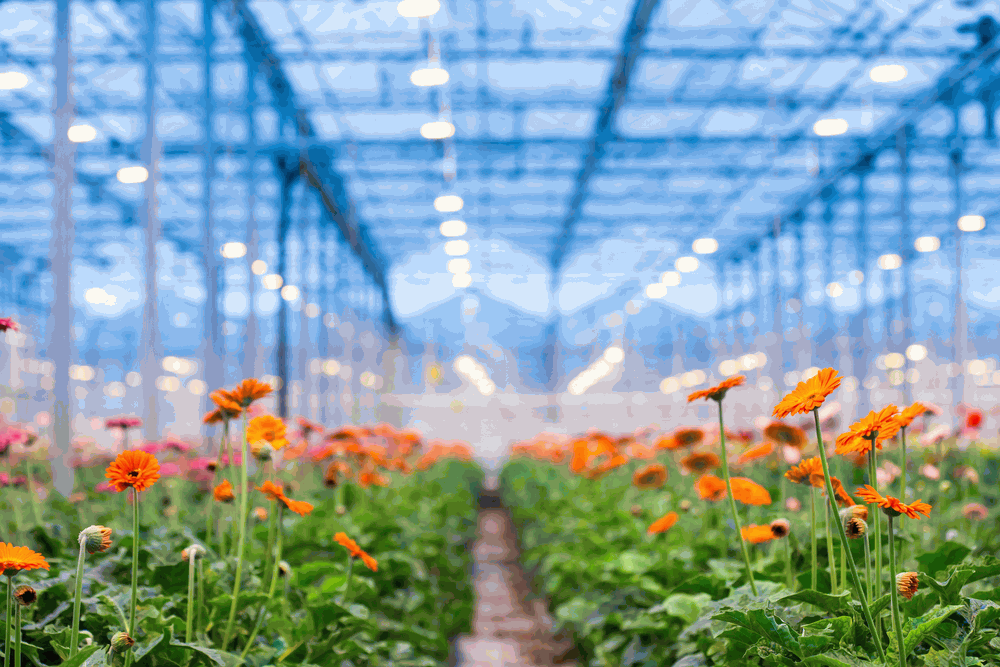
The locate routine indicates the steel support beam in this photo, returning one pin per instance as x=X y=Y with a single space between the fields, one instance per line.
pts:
x=604 y=132
x=316 y=160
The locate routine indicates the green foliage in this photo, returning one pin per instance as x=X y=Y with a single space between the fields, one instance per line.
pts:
x=405 y=614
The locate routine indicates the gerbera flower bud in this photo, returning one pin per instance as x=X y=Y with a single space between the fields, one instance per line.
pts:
x=260 y=513
x=224 y=492
x=120 y=641
x=907 y=584
x=636 y=511
x=96 y=538
x=685 y=505
x=855 y=511
x=284 y=569
x=25 y=595
x=780 y=528
x=855 y=528
x=261 y=450
x=195 y=550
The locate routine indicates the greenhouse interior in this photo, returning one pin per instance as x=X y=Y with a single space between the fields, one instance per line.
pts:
x=488 y=333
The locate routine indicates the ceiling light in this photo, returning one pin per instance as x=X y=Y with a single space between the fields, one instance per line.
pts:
x=429 y=76
x=12 y=80
x=927 y=244
x=686 y=264
x=289 y=292
x=916 y=352
x=829 y=127
x=452 y=227
x=439 y=129
x=418 y=9
x=971 y=223
x=670 y=278
x=80 y=134
x=448 y=203
x=894 y=360
x=258 y=267
x=272 y=281
x=656 y=291
x=889 y=262
x=461 y=280
x=233 y=250
x=834 y=290
x=459 y=265
x=705 y=246
x=456 y=248
x=669 y=385
x=312 y=310
x=133 y=174
x=856 y=277
x=887 y=73
x=614 y=355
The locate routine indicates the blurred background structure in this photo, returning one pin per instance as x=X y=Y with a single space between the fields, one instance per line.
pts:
x=486 y=218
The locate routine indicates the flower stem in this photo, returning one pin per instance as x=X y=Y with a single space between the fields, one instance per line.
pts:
x=347 y=584
x=732 y=501
x=902 y=465
x=270 y=591
x=895 y=597
x=240 y=548
x=74 y=643
x=6 y=622
x=831 y=556
x=868 y=567
x=201 y=592
x=17 y=629
x=832 y=499
x=812 y=536
x=874 y=511
x=190 y=610
x=135 y=571
x=271 y=521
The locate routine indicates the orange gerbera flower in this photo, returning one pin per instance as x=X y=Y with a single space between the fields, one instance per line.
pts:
x=749 y=492
x=134 y=468
x=906 y=417
x=249 y=391
x=356 y=551
x=881 y=425
x=710 y=487
x=300 y=507
x=786 y=434
x=335 y=471
x=229 y=407
x=652 y=476
x=13 y=559
x=663 y=524
x=808 y=395
x=843 y=498
x=699 y=462
x=271 y=490
x=801 y=473
x=372 y=478
x=718 y=392
x=681 y=438
x=224 y=492
x=269 y=428
x=275 y=492
x=757 y=534
x=893 y=506
x=760 y=451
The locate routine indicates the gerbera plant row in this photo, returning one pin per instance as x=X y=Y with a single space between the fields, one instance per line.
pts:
x=791 y=542
x=241 y=551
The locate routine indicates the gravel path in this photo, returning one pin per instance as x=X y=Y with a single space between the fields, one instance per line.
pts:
x=507 y=630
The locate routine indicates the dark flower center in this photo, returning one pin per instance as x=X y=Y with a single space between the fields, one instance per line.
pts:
x=133 y=473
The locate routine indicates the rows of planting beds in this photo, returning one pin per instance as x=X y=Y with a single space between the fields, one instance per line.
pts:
x=327 y=606
x=634 y=544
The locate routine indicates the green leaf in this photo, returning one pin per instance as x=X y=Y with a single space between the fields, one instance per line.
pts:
x=218 y=657
x=634 y=562
x=949 y=553
x=80 y=658
x=916 y=629
x=837 y=659
x=141 y=650
x=984 y=567
x=950 y=589
x=829 y=603
x=683 y=606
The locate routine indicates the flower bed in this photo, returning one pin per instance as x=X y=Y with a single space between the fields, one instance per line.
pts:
x=633 y=541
